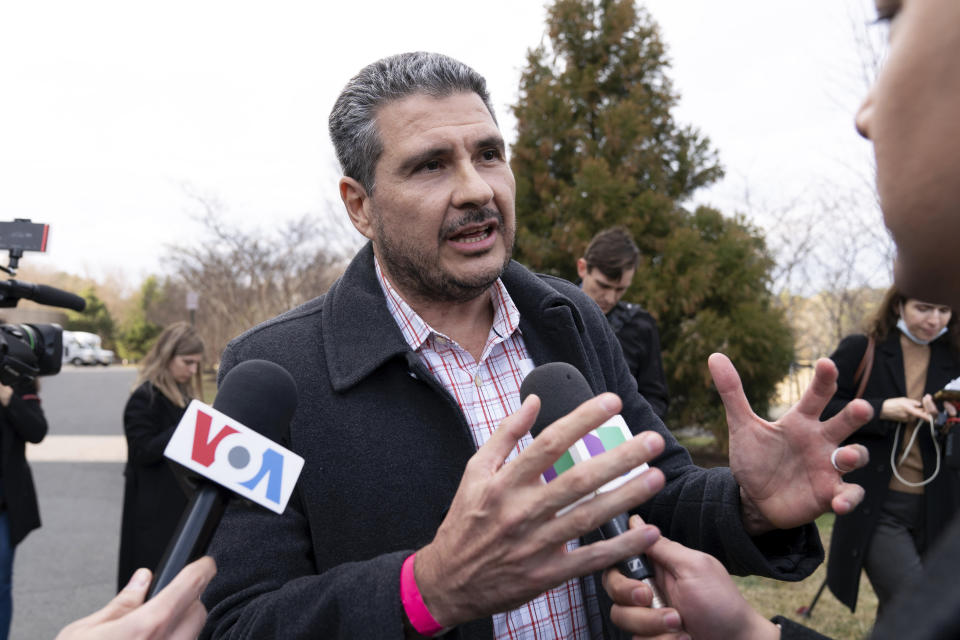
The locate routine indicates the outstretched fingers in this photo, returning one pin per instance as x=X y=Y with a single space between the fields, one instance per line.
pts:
x=590 y=514
x=846 y=499
x=588 y=476
x=504 y=439
x=727 y=381
x=853 y=416
x=846 y=495
x=559 y=436
x=602 y=554
x=850 y=457
x=820 y=390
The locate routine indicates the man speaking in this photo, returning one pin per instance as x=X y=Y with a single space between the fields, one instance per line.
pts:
x=420 y=510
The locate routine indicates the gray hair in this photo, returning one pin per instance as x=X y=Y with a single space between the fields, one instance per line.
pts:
x=352 y=122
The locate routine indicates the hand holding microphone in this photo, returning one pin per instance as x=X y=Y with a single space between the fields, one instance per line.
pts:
x=704 y=600
x=224 y=455
x=561 y=388
x=176 y=613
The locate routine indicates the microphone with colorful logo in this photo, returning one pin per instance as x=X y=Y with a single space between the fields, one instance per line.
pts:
x=230 y=448
x=561 y=389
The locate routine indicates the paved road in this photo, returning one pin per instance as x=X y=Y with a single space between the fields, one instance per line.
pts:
x=87 y=400
x=67 y=568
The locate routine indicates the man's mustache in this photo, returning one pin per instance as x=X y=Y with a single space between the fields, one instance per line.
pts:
x=473 y=216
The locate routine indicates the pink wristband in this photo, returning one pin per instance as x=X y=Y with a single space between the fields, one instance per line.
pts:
x=417 y=611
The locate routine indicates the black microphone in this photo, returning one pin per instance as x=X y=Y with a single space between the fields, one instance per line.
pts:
x=561 y=389
x=255 y=394
x=42 y=294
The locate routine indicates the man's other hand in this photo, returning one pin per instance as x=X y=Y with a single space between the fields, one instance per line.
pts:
x=785 y=468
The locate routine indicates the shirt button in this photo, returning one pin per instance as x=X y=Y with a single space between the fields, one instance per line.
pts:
x=476 y=381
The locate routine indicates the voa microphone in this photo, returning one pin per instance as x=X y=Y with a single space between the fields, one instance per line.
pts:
x=230 y=449
x=561 y=389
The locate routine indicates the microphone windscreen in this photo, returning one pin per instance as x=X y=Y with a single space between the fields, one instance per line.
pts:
x=53 y=297
x=259 y=394
x=561 y=389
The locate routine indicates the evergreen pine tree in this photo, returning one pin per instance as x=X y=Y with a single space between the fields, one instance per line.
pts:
x=597 y=146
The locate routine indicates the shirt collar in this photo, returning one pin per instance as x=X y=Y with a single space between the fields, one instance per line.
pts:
x=416 y=331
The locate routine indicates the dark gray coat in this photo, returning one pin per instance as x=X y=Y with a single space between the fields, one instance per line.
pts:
x=153 y=501
x=385 y=447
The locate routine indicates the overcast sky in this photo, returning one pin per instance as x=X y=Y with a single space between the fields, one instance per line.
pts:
x=111 y=110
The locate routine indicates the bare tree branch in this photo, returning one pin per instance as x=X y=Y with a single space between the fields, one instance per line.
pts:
x=246 y=276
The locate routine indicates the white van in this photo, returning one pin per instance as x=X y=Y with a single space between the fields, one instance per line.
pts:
x=83 y=348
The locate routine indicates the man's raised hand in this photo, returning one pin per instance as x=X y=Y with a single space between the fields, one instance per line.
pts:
x=785 y=468
x=502 y=544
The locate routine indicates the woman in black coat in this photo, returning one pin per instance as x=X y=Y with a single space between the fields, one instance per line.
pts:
x=904 y=510
x=153 y=501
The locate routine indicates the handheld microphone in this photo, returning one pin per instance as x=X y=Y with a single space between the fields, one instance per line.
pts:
x=224 y=456
x=561 y=389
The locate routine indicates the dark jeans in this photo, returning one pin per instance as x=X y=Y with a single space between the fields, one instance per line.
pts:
x=6 y=576
x=892 y=556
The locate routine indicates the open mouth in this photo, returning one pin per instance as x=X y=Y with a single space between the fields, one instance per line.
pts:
x=474 y=233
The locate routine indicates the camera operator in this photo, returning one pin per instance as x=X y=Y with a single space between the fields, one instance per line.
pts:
x=21 y=421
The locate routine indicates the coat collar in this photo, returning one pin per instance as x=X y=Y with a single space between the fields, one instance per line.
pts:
x=939 y=370
x=360 y=335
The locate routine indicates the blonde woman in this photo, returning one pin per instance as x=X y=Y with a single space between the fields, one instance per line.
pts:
x=153 y=501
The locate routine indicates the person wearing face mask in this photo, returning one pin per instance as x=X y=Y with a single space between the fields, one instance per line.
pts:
x=153 y=501
x=910 y=495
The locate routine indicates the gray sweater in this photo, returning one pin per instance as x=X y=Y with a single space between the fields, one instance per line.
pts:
x=385 y=446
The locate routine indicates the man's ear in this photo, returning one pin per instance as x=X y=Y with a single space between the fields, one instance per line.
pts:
x=581 y=268
x=357 y=202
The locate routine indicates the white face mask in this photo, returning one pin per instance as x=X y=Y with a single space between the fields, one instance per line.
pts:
x=903 y=329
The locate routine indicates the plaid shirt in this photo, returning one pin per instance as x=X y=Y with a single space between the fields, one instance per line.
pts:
x=487 y=392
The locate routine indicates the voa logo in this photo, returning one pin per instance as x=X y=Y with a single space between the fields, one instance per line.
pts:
x=235 y=456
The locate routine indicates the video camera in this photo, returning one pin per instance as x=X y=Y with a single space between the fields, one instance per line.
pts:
x=29 y=350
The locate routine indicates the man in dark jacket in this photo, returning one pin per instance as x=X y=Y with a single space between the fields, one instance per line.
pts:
x=421 y=505
x=606 y=271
